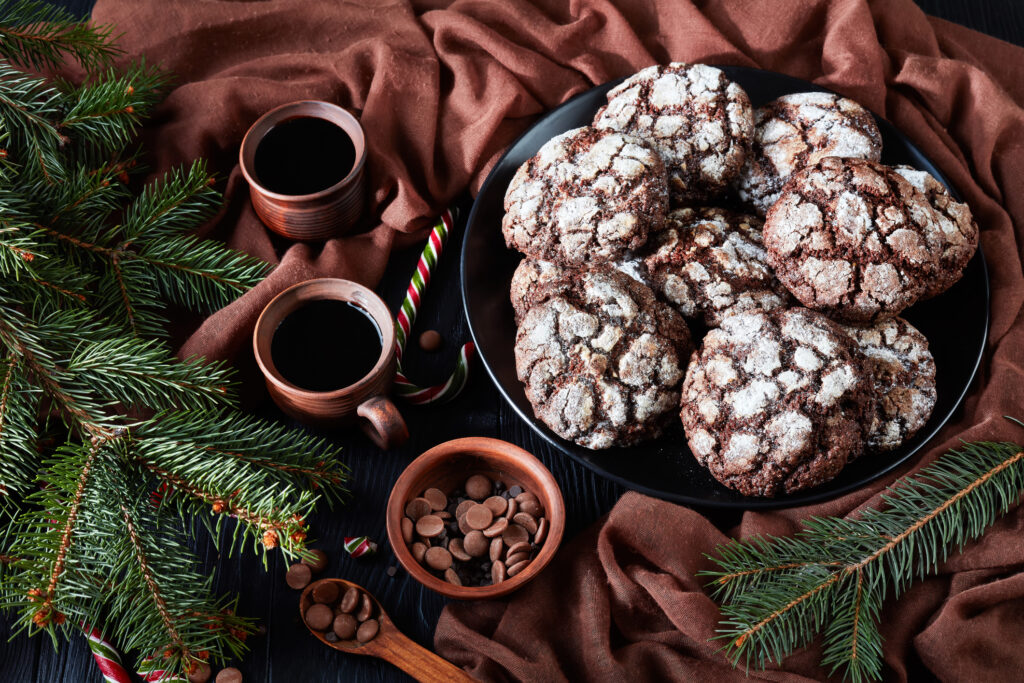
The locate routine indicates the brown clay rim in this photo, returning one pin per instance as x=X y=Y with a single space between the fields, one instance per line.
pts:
x=290 y=300
x=302 y=108
x=497 y=454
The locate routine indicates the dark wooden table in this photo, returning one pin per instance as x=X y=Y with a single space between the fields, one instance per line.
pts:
x=287 y=652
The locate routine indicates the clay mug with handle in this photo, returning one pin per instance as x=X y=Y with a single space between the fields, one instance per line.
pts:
x=364 y=402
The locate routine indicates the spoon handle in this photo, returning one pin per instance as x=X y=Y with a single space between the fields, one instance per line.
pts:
x=421 y=663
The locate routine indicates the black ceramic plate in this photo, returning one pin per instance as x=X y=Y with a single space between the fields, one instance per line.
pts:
x=955 y=323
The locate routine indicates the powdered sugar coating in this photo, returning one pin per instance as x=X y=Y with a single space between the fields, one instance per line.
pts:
x=799 y=130
x=776 y=402
x=903 y=372
x=698 y=120
x=853 y=239
x=957 y=225
x=601 y=361
x=710 y=263
x=588 y=195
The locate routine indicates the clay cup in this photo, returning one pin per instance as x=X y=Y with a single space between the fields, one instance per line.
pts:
x=364 y=402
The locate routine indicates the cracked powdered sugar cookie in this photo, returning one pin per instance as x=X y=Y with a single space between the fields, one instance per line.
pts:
x=853 y=239
x=776 y=402
x=601 y=361
x=799 y=130
x=903 y=372
x=536 y=281
x=588 y=195
x=959 y=230
x=698 y=120
x=710 y=263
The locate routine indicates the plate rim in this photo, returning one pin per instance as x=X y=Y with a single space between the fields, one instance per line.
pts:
x=802 y=498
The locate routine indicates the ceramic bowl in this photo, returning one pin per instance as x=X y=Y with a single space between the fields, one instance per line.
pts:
x=447 y=466
x=319 y=215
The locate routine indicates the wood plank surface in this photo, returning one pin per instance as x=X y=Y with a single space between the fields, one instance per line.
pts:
x=287 y=652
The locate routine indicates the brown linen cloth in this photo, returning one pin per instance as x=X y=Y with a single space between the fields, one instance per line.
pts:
x=442 y=87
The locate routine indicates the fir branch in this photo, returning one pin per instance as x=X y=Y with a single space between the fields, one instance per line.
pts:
x=140 y=372
x=40 y=34
x=172 y=205
x=28 y=107
x=107 y=110
x=19 y=405
x=778 y=593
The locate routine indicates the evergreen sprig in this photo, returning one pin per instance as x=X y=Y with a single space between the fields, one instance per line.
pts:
x=111 y=448
x=832 y=577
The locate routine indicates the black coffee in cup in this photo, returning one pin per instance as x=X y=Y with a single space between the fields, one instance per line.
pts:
x=303 y=155
x=325 y=345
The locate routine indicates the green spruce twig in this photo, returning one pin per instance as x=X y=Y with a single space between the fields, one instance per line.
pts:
x=832 y=577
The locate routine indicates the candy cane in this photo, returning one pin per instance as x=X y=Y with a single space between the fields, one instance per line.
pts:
x=448 y=390
x=108 y=659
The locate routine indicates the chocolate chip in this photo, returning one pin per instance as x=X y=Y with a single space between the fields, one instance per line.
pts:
x=436 y=498
x=514 y=534
x=523 y=547
x=497 y=546
x=542 y=531
x=200 y=673
x=478 y=487
x=417 y=507
x=367 y=631
x=345 y=626
x=418 y=552
x=479 y=517
x=513 y=508
x=350 y=600
x=330 y=637
x=458 y=551
x=516 y=559
x=391 y=571
x=407 y=529
x=526 y=521
x=430 y=340
x=319 y=617
x=230 y=675
x=464 y=527
x=365 y=608
x=532 y=507
x=498 y=572
x=429 y=526
x=497 y=528
x=497 y=505
x=298 y=576
x=452 y=577
x=462 y=507
x=438 y=558
x=317 y=563
x=514 y=569
x=325 y=592
x=476 y=544
x=515 y=490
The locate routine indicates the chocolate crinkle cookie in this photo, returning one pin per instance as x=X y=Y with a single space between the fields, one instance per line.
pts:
x=903 y=373
x=853 y=239
x=776 y=402
x=536 y=281
x=601 y=361
x=698 y=120
x=588 y=195
x=799 y=130
x=959 y=230
x=710 y=263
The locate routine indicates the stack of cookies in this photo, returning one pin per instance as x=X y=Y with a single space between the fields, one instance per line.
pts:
x=776 y=233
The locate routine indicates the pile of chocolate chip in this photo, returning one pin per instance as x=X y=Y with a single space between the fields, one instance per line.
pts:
x=353 y=616
x=477 y=536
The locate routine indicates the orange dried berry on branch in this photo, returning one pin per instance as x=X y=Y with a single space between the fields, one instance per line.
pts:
x=219 y=506
x=270 y=538
x=298 y=536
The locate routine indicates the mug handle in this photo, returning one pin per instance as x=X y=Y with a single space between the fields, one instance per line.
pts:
x=382 y=422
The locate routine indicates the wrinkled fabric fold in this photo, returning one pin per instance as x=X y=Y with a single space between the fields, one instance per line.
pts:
x=441 y=89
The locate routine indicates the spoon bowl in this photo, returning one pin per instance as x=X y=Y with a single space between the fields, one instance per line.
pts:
x=389 y=644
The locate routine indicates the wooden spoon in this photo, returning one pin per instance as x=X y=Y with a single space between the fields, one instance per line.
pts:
x=389 y=644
